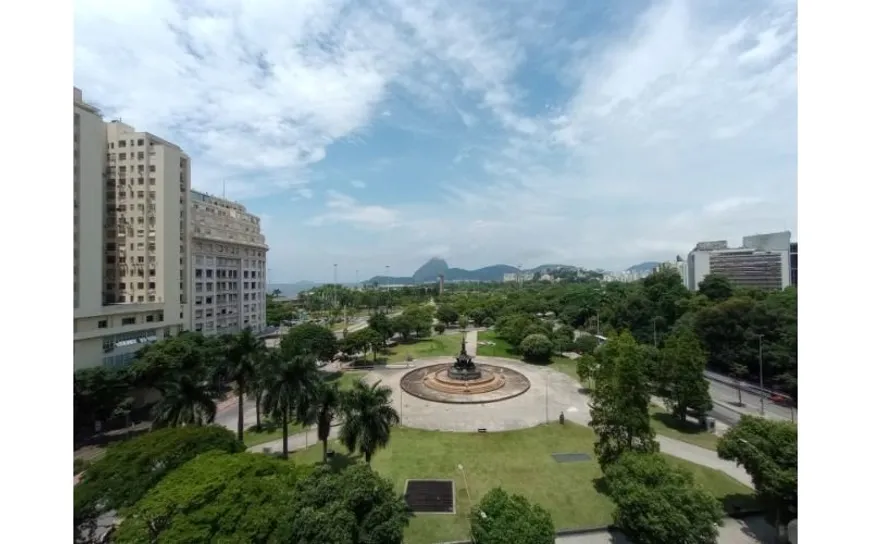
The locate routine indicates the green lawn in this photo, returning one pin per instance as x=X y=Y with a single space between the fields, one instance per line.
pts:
x=520 y=462
x=428 y=347
x=503 y=349
x=345 y=378
x=665 y=424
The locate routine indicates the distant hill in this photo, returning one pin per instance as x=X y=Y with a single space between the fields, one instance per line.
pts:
x=643 y=267
x=433 y=267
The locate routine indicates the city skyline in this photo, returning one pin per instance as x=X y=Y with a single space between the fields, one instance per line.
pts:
x=391 y=131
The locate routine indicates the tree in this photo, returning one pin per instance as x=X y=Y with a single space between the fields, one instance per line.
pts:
x=620 y=401
x=500 y=518
x=586 y=368
x=97 y=392
x=768 y=450
x=130 y=468
x=513 y=328
x=716 y=288
x=586 y=344
x=353 y=506
x=447 y=314
x=536 y=347
x=216 y=497
x=403 y=325
x=367 y=417
x=161 y=364
x=325 y=406
x=243 y=350
x=440 y=327
x=187 y=401
x=478 y=315
x=681 y=376
x=288 y=383
x=365 y=340
x=563 y=339
x=488 y=322
x=382 y=325
x=463 y=322
x=738 y=372
x=657 y=502
x=309 y=339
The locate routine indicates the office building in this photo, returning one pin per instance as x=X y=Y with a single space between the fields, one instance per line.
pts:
x=793 y=256
x=130 y=238
x=762 y=262
x=229 y=267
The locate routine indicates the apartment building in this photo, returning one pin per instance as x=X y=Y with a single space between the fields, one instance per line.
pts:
x=762 y=262
x=130 y=238
x=229 y=267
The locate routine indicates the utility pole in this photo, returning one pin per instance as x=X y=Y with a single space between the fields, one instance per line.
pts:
x=761 y=372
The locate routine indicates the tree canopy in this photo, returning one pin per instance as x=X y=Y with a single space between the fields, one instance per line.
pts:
x=309 y=339
x=768 y=450
x=501 y=518
x=657 y=502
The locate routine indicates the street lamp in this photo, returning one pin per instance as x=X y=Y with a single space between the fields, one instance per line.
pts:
x=468 y=493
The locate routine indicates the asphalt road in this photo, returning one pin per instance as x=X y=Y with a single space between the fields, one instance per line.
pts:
x=727 y=394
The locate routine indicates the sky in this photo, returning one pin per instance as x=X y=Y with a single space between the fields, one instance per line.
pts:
x=375 y=133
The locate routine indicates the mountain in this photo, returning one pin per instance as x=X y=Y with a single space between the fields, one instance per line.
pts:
x=430 y=271
x=643 y=267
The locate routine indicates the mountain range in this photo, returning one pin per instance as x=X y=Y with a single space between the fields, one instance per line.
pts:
x=436 y=266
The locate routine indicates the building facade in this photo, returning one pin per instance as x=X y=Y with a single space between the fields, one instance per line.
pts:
x=793 y=258
x=130 y=238
x=229 y=267
x=762 y=262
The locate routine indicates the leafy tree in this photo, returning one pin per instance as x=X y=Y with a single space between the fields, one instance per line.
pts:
x=513 y=328
x=403 y=325
x=657 y=502
x=367 y=417
x=716 y=288
x=463 y=322
x=536 y=347
x=500 y=518
x=216 y=497
x=97 y=392
x=681 y=375
x=161 y=364
x=309 y=339
x=586 y=365
x=739 y=372
x=440 y=327
x=243 y=350
x=130 y=468
x=186 y=401
x=447 y=314
x=620 y=400
x=586 y=344
x=382 y=325
x=353 y=506
x=288 y=383
x=420 y=319
x=364 y=340
x=488 y=322
x=478 y=316
x=563 y=339
x=768 y=450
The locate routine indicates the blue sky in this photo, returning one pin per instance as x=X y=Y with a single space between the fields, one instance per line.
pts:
x=384 y=132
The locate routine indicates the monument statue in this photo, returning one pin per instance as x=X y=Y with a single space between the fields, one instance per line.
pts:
x=464 y=367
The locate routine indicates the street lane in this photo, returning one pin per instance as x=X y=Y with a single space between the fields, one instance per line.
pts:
x=727 y=394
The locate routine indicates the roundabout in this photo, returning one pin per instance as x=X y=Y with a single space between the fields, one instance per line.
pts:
x=434 y=383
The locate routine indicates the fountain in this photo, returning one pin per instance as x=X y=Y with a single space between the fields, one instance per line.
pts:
x=464 y=381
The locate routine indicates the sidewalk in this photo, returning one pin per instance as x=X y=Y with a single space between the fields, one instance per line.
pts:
x=295 y=442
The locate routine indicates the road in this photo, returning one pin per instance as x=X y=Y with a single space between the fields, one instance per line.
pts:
x=725 y=394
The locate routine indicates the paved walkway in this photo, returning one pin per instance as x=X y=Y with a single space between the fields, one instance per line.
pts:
x=752 y=530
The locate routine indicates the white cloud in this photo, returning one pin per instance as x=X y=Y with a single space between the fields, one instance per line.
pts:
x=345 y=209
x=357 y=184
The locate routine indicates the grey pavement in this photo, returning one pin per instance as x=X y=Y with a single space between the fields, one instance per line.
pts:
x=752 y=530
x=726 y=396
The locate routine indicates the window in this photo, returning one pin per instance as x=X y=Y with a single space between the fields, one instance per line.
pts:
x=152 y=168
x=122 y=156
x=140 y=141
x=160 y=316
x=151 y=285
x=140 y=155
x=103 y=324
x=128 y=321
x=140 y=285
x=122 y=143
x=149 y=318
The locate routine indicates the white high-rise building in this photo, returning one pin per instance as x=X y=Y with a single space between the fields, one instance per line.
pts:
x=762 y=262
x=130 y=238
x=229 y=267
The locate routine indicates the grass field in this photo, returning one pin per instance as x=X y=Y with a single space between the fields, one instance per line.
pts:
x=428 y=347
x=520 y=462
x=273 y=432
x=665 y=424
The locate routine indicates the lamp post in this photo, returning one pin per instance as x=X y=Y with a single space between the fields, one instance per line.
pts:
x=761 y=372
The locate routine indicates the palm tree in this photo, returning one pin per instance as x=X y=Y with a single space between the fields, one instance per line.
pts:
x=185 y=401
x=323 y=406
x=240 y=366
x=287 y=387
x=368 y=416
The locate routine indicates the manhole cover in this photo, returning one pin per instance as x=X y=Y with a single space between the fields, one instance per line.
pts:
x=571 y=457
x=430 y=496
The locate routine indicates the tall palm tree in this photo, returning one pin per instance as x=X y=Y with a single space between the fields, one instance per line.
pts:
x=185 y=401
x=322 y=408
x=240 y=366
x=367 y=415
x=287 y=386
